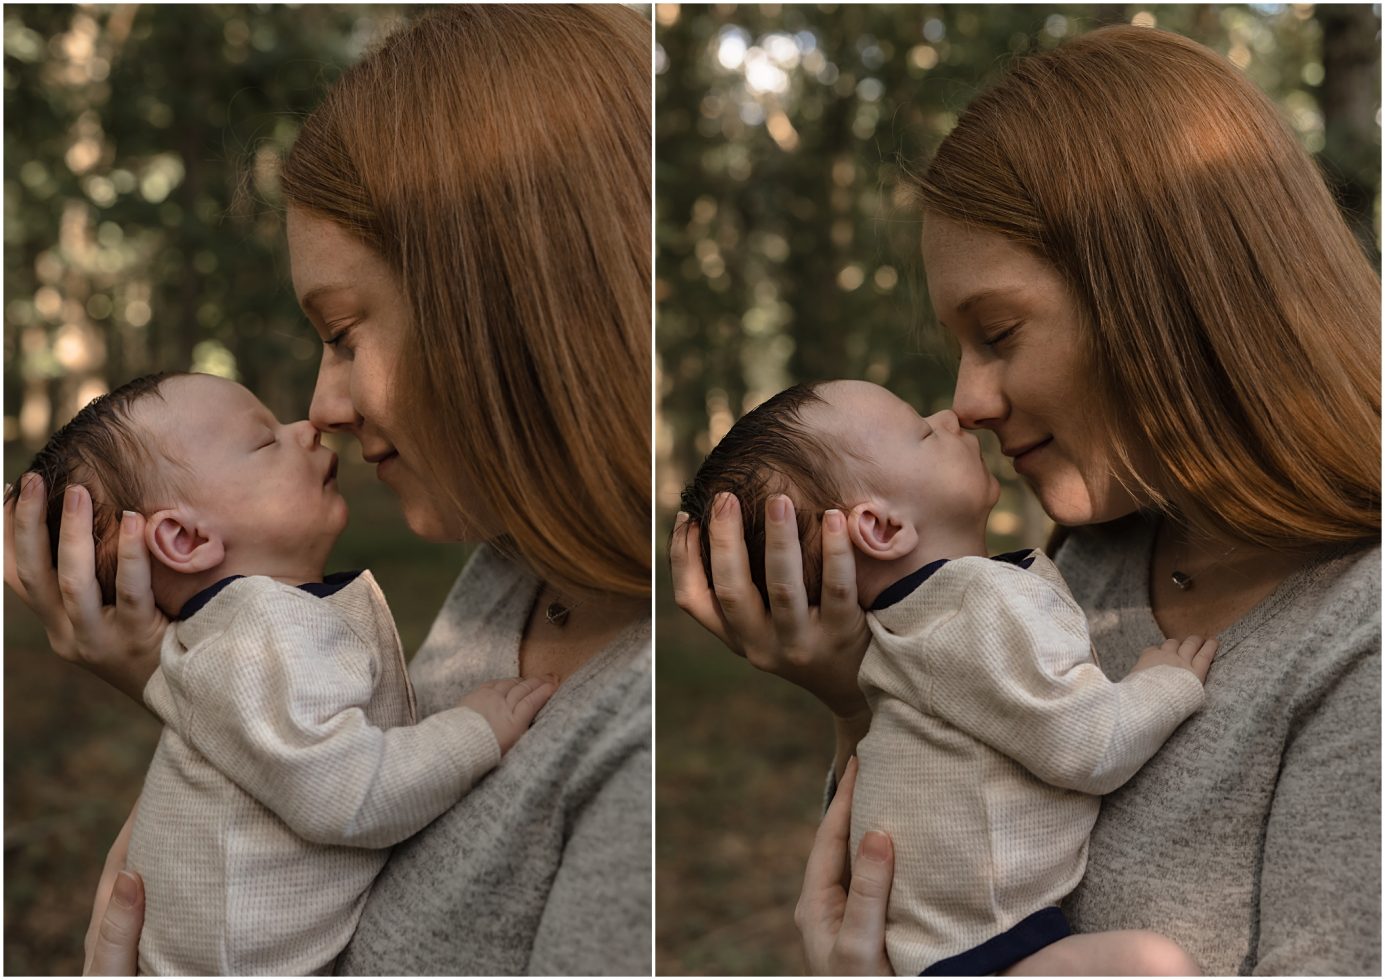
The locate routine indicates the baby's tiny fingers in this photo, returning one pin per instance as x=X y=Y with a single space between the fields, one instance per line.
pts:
x=1189 y=647
x=521 y=687
x=528 y=706
x=1207 y=652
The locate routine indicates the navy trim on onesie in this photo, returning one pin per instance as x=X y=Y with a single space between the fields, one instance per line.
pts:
x=329 y=584
x=905 y=586
x=1024 y=938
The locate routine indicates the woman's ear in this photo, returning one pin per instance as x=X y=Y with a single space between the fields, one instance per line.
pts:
x=880 y=535
x=175 y=540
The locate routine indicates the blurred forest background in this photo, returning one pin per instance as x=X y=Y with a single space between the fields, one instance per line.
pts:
x=784 y=254
x=143 y=232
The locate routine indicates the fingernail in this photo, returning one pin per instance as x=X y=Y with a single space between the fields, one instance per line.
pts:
x=27 y=483
x=778 y=508
x=125 y=891
x=69 y=500
x=833 y=520
x=680 y=519
x=126 y=524
x=724 y=505
x=875 y=846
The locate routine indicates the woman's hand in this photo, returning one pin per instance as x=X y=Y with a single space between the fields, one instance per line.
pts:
x=843 y=921
x=120 y=643
x=818 y=648
x=117 y=915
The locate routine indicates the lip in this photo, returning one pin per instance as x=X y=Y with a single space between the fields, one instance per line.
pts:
x=382 y=460
x=1021 y=456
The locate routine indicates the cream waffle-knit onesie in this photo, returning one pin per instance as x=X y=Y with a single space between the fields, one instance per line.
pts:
x=288 y=765
x=993 y=735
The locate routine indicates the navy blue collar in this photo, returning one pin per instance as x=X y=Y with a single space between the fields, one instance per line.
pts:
x=913 y=580
x=329 y=584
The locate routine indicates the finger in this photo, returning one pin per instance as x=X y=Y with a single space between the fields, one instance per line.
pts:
x=33 y=559
x=827 y=862
x=521 y=687
x=861 y=941
x=115 y=863
x=81 y=595
x=11 y=572
x=732 y=585
x=116 y=950
x=788 y=598
x=528 y=706
x=840 y=607
x=691 y=590
x=1189 y=646
x=1204 y=656
x=134 y=591
x=502 y=686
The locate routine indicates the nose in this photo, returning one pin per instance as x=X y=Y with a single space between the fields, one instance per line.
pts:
x=946 y=420
x=305 y=434
x=978 y=400
x=331 y=409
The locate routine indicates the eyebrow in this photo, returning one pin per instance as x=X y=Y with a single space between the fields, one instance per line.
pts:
x=985 y=294
x=308 y=301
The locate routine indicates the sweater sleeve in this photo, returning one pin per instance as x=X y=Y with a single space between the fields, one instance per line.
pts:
x=1319 y=888
x=597 y=918
x=277 y=705
x=1011 y=671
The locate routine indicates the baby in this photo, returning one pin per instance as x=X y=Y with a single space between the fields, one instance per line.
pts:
x=993 y=731
x=290 y=759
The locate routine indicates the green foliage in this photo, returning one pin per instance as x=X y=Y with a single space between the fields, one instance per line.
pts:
x=142 y=218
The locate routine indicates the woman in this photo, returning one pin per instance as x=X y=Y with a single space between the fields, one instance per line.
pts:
x=468 y=227
x=1196 y=403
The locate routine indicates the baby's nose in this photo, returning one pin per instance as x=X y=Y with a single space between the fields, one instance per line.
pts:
x=306 y=433
x=947 y=420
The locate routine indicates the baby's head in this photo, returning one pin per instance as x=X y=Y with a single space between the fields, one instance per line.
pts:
x=224 y=487
x=911 y=489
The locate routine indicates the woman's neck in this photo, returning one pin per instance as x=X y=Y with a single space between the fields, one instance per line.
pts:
x=562 y=634
x=1202 y=586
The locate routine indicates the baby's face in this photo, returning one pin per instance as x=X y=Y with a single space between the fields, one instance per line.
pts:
x=931 y=467
x=268 y=489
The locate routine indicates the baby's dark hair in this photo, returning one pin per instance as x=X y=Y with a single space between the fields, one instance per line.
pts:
x=768 y=452
x=101 y=450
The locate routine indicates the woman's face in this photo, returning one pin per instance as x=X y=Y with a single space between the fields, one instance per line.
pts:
x=357 y=307
x=1022 y=373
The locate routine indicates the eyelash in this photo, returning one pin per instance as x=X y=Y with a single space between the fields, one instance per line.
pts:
x=1000 y=336
x=334 y=339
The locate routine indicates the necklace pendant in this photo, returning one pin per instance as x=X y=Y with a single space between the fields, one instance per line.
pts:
x=1184 y=582
x=556 y=613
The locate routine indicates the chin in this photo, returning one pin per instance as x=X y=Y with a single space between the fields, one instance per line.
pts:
x=1070 y=502
x=426 y=522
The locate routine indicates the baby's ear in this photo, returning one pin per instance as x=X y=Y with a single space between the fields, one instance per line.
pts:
x=175 y=540
x=879 y=534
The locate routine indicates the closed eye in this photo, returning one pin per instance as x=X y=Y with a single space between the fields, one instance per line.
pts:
x=1000 y=336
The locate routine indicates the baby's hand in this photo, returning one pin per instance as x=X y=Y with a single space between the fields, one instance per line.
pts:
x=509 y=705
x=1194 y=653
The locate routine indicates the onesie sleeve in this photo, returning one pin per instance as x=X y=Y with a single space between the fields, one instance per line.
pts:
x=276 y=703
x=1319 y=886
x=1014 y=669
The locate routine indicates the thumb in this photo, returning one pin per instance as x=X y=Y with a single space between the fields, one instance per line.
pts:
x=116 y=950
x=861 y=941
